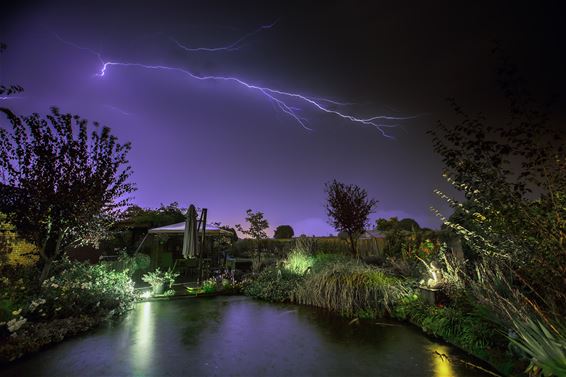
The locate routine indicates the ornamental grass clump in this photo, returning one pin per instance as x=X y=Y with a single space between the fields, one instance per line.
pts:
x=298 y=262
x=351 y=289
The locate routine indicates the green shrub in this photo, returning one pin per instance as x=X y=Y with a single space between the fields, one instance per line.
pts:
x=273 y=284
x=78 y=288
x=298 y=262
x=350 y=289
x=75 y=298
x=468 y=330
x=209 y=286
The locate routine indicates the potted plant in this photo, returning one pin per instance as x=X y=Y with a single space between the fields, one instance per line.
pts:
x=157 y=281
x=170 y=277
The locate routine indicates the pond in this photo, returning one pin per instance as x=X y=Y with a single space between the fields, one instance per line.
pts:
x=237 y=336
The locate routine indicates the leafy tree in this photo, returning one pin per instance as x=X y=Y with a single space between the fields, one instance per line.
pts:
x=284 y=232
x=348 y=209
x=513 y=176
x=257 y=226
x=135 y=221
x=59 y=187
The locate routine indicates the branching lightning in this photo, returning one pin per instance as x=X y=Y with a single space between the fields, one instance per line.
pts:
x=234 y=46
x=284 y=101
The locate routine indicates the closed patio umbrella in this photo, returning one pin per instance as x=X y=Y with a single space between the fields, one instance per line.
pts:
x=190 y=235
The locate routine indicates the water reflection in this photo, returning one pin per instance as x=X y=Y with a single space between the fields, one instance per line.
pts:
x=143 y=339
x=441 y=364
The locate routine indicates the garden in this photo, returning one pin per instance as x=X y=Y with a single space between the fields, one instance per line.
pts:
x=499 y=296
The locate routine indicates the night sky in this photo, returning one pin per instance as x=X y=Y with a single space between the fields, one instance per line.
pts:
x=226 y=147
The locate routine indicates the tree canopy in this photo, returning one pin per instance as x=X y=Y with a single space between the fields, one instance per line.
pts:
x=283 y=232
x=348 y=209
x=58 y=186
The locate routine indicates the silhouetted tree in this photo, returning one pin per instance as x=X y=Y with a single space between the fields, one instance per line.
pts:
x=283 y=232
x=348 y=209
x=257 y=226
x=8 y=90
x=58 y=186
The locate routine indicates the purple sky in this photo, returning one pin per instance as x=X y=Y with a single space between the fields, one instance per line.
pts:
x=223 y=146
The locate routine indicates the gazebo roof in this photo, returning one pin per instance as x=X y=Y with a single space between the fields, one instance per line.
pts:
x=179 y=228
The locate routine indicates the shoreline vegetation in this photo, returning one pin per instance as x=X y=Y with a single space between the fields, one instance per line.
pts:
x=355 y=290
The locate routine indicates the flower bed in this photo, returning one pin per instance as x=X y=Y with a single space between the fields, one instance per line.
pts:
x=75 y=298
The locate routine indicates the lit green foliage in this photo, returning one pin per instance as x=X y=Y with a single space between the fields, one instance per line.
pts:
x=349 y=288
x=546 y=347
x=470 y=331
x=84 y=288
x=77 y=296
x=157 y=277
x=209 y=286
x=298 y=262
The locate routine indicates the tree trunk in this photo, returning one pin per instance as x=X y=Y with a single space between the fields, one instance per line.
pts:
x=45 y=271
x=51 y=250
x=353 y=246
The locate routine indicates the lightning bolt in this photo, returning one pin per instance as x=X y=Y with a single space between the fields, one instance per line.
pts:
x=118 y=110
x=234 y=46
x=283 y=101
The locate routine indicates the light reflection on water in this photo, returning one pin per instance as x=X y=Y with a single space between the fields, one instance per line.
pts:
x=143 y=342
x=442 y=366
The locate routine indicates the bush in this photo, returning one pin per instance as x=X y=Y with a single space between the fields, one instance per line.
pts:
x=78 y=295
x=273 y=284
x=351 y=289
x=83 y=288
x=130 y=264
x=469 y=329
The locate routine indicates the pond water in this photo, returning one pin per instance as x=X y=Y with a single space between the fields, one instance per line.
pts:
x=237 y=336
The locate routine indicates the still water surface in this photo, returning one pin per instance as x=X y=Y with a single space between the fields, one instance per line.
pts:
x=237 y=336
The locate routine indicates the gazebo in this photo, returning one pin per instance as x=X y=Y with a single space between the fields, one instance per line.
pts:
x=165 y=248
